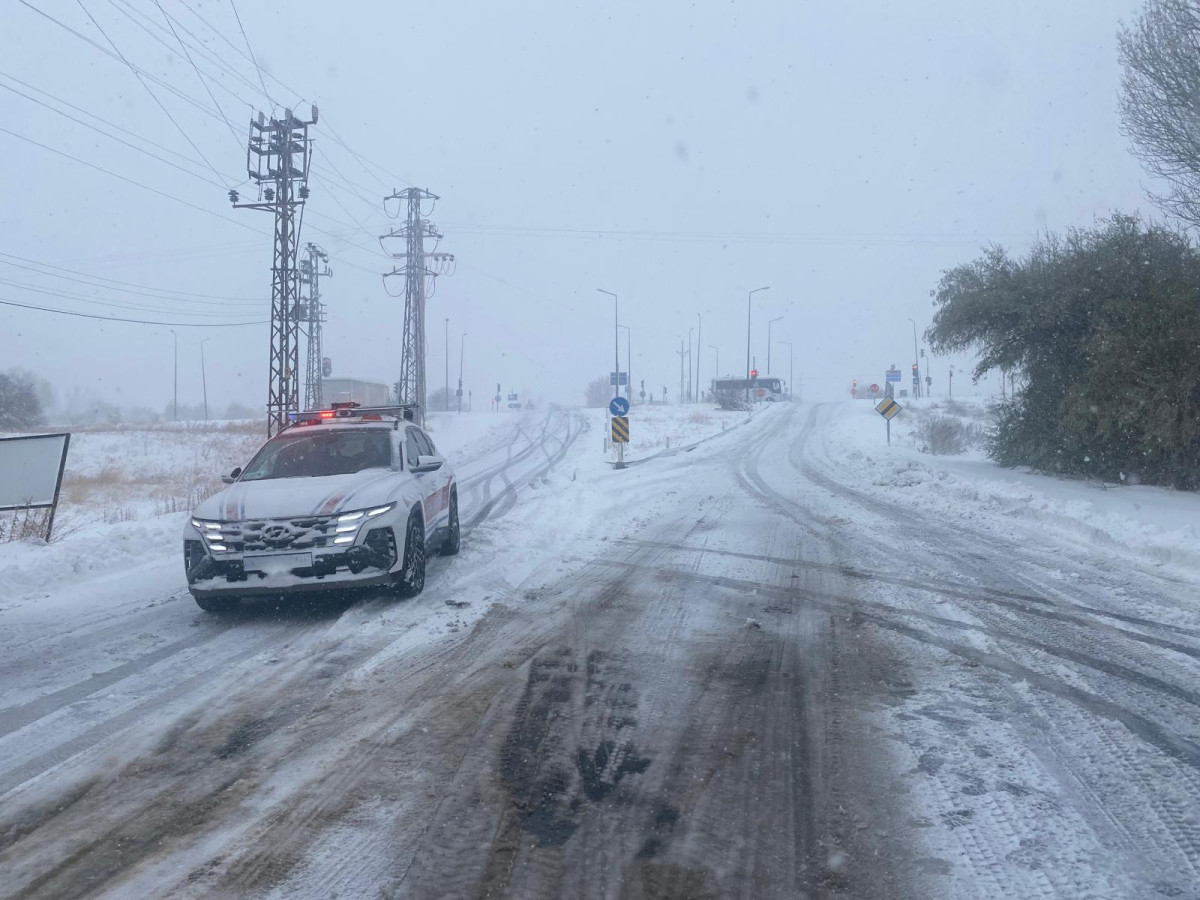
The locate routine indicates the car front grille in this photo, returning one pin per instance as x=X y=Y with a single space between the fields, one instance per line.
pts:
x=265 y=535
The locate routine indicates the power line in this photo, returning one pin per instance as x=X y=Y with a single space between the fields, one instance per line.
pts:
x=153 y=96
x=197 y=45
x=90 y=114
x=168 y=162
x=128 y=180
x=253 y=58
x=195 y=69
x=65 y=312
x=100 y=302
x=87 y=40
x=896 y=239
x=140 y=290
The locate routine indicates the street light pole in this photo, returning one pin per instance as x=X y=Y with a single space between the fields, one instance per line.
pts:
x=716 y=361
x=689 y=392
x=916 y=362
x=747 y=373
x=616 y=344
x=628 y=362
x=769 y=324
x=699 y=332
x=203 y=379
x=447 y=409
x=175 y=400
x=791 y=369
x=461 y=346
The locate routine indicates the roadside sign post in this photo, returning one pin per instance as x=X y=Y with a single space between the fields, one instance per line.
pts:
x=31 y=473
x=618 y=408
x=888 y=408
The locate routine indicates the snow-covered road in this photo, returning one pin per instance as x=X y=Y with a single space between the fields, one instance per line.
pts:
x=734 y=670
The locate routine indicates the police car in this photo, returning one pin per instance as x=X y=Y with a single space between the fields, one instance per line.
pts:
x=343 y=497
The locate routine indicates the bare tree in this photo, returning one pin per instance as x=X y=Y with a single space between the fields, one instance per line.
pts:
x=1160 y=99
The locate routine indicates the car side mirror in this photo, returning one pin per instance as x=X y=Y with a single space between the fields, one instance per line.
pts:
x=232 y=476
x=428 y=464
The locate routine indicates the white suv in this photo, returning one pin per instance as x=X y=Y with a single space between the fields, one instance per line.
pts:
x=346 y=497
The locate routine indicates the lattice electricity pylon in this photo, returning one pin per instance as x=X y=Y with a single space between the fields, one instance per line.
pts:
x=312 y=313
x=419 y=271
x=277 y=160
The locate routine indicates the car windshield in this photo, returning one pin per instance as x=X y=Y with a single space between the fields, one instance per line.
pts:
x=320 y=453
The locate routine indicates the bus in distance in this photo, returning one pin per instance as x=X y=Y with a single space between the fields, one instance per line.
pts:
x=765 y=388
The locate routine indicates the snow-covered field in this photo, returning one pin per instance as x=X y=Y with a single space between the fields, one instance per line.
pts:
x=1154 y=524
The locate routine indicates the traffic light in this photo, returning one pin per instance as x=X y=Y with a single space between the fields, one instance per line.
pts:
x=754 y=374
x=326 y=366
x=914 y=370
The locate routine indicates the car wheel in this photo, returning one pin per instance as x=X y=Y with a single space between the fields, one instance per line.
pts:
x=410 y=581
x=450 y=544
x=216 y=604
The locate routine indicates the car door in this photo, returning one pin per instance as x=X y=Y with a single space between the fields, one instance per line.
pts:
x=417 y=445
x=438 y=508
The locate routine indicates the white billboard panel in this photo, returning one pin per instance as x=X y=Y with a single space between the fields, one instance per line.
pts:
x=30 y=469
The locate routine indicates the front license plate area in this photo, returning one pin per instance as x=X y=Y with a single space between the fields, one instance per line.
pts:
x=276 y=563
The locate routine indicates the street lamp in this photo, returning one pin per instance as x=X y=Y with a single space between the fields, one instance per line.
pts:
x=689 y=392
x=203 y=379
x=628 y=362
x=461 y=345
x=791 y=369
x=699 y=332
x=175 y=401
x=769 y=324
x=616 y=345
x=916 y=363
x=748 y=296
x=447 y=403
x=716 y=360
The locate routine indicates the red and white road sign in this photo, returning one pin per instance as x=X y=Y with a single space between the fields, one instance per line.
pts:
x=760 y=392
x=874 y=389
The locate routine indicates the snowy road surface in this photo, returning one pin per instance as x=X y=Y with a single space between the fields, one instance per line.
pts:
x=734 y=671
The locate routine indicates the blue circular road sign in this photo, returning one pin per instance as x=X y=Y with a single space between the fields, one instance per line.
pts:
x=618 y=406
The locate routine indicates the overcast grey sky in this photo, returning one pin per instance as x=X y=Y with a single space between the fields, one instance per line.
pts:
x=676 y=153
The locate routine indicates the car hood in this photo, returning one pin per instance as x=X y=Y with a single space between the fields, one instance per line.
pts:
x=282 y=498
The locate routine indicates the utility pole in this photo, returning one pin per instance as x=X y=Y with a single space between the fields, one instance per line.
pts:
x=916 y=363
x=447 y=364
x=682 y=355
x=312 y=269
x=769 y=324
x=616 y=344
x=462 y=344
x=175 y=401
x=420 y=271
x=203 y=378
x=277 y=160
x=628 y=363
x=699 y=327
x=746 y=374
x=716 y=361
x=689 y=367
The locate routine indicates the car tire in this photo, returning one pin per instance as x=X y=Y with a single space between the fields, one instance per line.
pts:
x=454 y=532
x=410 y=580
x=216 y=604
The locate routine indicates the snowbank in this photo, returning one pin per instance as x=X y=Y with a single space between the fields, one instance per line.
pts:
x=1156 y=524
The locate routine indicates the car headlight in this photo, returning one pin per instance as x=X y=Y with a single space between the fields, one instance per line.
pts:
x=211 y=532
x=349 y=523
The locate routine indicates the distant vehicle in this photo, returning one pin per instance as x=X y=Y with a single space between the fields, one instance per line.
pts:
x=765 y=388
x=354 y=390
x=344 y=497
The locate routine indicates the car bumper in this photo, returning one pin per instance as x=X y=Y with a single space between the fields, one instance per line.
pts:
x=275 y=585
x=238 y=575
